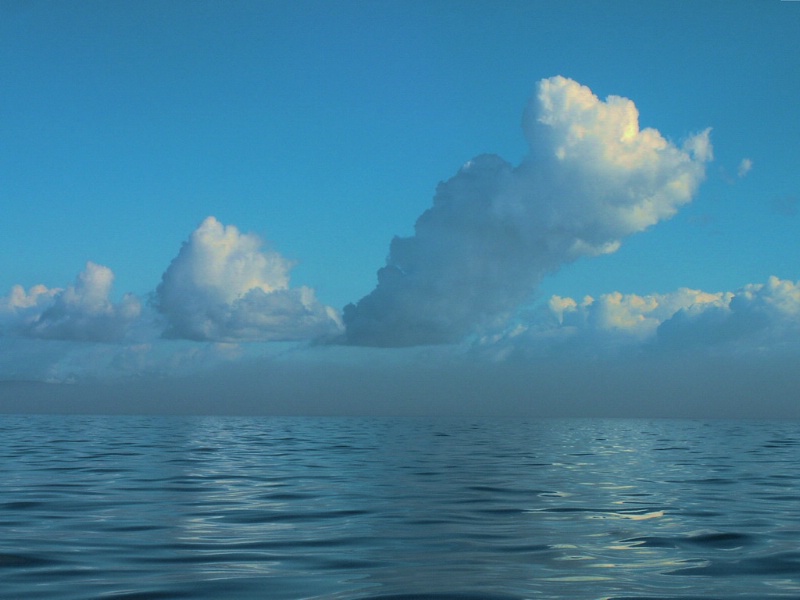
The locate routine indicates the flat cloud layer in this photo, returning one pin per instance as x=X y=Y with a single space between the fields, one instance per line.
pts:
x=223 y=286
x=81 y=312
x=592 y=177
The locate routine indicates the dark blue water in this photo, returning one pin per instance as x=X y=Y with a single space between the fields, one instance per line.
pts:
x=206 y=507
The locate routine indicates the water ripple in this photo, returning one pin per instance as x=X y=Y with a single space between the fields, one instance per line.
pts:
x=201 y=508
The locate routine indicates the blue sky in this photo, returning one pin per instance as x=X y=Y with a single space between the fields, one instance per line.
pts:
x=315 y=132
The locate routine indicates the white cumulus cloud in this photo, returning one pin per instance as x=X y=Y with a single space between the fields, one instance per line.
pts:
x=592 y=177
x=615 y=319
x=756 y=318
x=80 y=312
x=223 y=286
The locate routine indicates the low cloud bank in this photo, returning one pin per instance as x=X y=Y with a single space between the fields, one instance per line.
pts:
x=81 y=312
x=592 y=178
x=223 y=286
x=757 y=319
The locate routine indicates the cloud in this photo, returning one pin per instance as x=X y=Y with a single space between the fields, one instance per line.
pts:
x=756 y=319
x=592 y=177
x=627 y=316
x=81 y=312
x=223 y=286
x=744 y=167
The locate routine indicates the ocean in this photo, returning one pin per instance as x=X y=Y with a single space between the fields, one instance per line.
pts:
x=289 y=508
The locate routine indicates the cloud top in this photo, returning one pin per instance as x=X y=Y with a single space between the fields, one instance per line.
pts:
x=592 y=177
x=223 y=286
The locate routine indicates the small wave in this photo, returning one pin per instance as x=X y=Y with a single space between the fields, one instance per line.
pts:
x=781 y=563
x=25 y=561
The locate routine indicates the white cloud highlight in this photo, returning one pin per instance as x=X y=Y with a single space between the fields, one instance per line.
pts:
x=592 y=178
x=223 y=286
x=81 y=312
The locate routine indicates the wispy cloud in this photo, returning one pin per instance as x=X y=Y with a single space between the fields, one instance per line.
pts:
x=592 y=177
x=744 y=167
x=223 y=286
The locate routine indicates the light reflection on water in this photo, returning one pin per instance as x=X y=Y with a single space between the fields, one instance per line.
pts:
x=166 y=507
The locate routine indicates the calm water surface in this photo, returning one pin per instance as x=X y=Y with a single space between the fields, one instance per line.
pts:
x=208 y=507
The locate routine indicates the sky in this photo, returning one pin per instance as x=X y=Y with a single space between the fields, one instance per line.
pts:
x=569 y=208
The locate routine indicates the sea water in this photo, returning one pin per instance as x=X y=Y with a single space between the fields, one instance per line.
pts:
x=212 y=507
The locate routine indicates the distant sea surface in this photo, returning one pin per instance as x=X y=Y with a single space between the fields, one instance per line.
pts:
x=289 y=508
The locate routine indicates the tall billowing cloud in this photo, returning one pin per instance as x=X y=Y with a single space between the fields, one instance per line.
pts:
x=81 y=312
x=592 y=177
x=223 y=286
